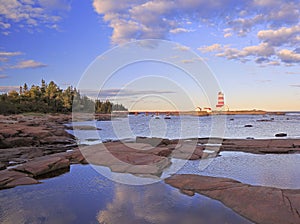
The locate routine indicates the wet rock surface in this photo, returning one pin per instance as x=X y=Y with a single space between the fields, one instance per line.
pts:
x=262 y=146
x=134 y=158
x=264 y=205
x=9 y=178
x=20 y=130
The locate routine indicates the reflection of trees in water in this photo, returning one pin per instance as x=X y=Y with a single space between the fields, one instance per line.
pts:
x=158 y=203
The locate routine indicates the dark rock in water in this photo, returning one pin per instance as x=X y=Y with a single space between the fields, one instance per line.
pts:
x=249 y=138
x=265 y=120
x=84 y=128
x=92 y=139
x=248 y=126
x=231 y=119
x=281 y=135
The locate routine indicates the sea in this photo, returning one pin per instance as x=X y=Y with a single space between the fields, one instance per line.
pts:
x=90 y=194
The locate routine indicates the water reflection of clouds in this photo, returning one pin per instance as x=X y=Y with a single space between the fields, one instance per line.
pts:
x=159 y=203
x=43 y=210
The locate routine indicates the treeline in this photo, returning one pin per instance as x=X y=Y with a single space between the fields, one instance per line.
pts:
x=49 y=98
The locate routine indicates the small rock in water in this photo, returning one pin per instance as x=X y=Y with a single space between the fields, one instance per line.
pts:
x=248 y=126
x=281 y=135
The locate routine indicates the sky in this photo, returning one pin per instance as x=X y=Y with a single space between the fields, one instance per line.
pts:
x=251 y=47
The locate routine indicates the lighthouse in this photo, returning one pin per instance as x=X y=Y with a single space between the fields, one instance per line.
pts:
x=220 y=100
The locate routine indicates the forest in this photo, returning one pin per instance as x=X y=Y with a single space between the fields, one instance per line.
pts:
x=49 y=98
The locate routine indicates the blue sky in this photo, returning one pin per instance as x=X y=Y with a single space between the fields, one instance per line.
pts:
x=252 y=47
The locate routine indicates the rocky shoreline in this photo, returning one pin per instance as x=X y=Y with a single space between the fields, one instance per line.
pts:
x=37 y=147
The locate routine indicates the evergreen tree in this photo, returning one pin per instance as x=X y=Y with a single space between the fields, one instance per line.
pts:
x=50 y=98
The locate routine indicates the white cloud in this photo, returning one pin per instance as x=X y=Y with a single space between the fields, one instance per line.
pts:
x=168 y=16
x=275 y=21
x=4 y=25
x=182 y=48
x=289 y=56
x=5 y=57
x=28 y=64
x=55 y=4
x=9 y=54
x=273 y=63
x=211 y=48
x=227 y=35
x=261 y=52
x=262 y=49
x=281 y=36
x=187 y=61
x=30 y=13
x=180 y=30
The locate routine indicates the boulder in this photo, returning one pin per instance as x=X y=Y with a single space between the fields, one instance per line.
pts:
x=248 y=126
x=281 y=134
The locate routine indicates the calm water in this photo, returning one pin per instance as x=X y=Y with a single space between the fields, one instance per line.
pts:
x=231 y=126
x=85 y=196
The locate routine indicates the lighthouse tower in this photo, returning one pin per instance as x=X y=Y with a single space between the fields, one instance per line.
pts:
x=220 y=100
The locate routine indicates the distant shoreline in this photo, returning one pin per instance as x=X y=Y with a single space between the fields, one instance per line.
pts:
x=205 y=113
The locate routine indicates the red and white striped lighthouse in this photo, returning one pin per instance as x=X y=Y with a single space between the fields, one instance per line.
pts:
x=220 y=100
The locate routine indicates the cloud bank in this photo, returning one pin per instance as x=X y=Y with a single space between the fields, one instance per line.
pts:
x=275 y=22
x=31 y=13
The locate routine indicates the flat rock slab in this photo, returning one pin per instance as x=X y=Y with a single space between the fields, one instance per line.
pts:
x=264 y=205
x=43 y=165
x=262 y=146
x=10 y=178
x=46 y=166
x=188 y=151
x=134 y=158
